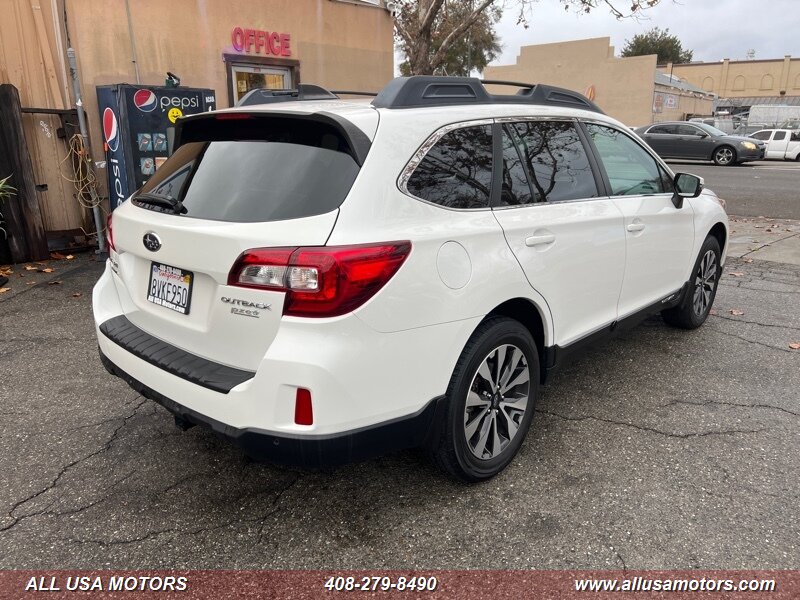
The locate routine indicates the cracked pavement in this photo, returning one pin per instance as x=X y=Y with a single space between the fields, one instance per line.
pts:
x=659 y=449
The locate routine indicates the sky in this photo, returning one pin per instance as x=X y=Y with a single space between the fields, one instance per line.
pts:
x=712 y=29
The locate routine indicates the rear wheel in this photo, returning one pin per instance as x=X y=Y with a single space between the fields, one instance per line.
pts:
x=699 y=299
x=490 y=402
x=724 y=156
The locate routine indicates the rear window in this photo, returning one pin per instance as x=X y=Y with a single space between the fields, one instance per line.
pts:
x=257 y=170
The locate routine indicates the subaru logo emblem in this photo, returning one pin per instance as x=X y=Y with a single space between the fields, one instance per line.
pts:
x=151 y=241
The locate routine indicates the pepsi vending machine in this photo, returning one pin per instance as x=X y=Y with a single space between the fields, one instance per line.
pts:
x=135 y=121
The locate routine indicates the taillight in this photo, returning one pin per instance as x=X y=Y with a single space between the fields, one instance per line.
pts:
x=324 y=281
x=110 y=233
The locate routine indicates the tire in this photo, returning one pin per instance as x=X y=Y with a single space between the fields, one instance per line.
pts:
x=699 y=299
x=475 y=441
x=724 y=156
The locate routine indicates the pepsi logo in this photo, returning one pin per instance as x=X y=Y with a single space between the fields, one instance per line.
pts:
x=145 y=100
x=111 y=129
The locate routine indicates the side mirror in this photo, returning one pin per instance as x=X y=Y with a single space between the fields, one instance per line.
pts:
x=686 y=186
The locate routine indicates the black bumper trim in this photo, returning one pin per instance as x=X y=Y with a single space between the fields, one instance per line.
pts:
x=180 y=363
x=305 y=450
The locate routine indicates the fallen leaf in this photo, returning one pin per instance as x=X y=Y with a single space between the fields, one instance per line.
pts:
x=53 y=283
x=20 y=274
x=768 y=230
x=30 y=268
x=57 y=256
x=747 y=260
x=31 y=283
x=738 y=274
x=795 y=345
x=4 y=290
x=736 y=312
x=69 y=257
x=47 y=270
x=76 y=295
x=713 y=312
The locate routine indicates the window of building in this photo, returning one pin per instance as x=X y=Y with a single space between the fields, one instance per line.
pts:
x=767 y=82
x=457 y=171
x=708 y=84
x=779 y=135
x=515 y=189
x=738 y=83
x=630 y=169
x=556 y=160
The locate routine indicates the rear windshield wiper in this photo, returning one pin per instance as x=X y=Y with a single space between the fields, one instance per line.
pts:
x=164 y=201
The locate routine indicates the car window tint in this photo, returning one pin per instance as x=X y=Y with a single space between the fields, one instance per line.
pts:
x=663 y=129
x=514 y=190
x=457 y=171
x=688 y=130
x=761 y=135
x=556 y=160
x=795 y=136
x=779 y=135
x=630 y=169
x=256 y=170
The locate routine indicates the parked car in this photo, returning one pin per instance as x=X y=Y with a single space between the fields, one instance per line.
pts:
x=782 y=144
x=321 y=281
x=681 y=139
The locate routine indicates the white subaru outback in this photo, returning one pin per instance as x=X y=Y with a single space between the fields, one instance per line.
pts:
x=321 y=280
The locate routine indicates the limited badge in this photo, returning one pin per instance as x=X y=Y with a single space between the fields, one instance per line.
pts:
x=174 y=114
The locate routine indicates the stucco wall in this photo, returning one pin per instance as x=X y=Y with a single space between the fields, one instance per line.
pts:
x=737 y=79
x=338 y=44
x=623 y=86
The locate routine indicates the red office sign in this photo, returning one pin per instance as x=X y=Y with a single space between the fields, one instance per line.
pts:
x=256 y=41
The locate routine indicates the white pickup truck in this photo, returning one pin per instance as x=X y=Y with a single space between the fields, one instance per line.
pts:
x=782 y=144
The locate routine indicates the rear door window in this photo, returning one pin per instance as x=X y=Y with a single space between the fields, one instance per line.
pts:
x=663 y=130
x=286 y=169
x=556 y=161
x=457 y=171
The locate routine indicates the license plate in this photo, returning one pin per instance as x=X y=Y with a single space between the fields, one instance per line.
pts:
x=170 y=287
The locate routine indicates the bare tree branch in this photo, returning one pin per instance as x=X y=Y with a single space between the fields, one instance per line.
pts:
x=459 y=31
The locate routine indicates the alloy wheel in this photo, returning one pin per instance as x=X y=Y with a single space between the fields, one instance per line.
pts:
x=496 y=401
x=724 y=156
x=704 y=281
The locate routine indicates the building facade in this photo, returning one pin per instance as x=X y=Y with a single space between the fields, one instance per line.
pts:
x=229 y=46
x=740 y=84
x=628 y=89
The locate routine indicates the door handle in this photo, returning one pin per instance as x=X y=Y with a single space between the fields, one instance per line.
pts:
x=634 y=227
x=538 y=240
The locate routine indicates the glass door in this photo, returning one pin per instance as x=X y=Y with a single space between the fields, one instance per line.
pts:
x=246 y=78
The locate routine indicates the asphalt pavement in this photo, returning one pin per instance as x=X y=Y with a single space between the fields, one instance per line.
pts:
x=660 y=449
x=768 y=188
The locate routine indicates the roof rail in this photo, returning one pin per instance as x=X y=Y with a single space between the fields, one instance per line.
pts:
x=426 y=90
x=304 y=91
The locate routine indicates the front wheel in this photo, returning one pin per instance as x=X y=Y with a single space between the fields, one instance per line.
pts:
x=490 y=402
x=697 y=303
x=724 y=156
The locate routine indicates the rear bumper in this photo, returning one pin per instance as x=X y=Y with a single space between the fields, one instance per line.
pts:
x=303 y=450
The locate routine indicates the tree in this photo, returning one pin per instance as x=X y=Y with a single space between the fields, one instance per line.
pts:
x=433 y=39
x=658 y=41
x=472 y=50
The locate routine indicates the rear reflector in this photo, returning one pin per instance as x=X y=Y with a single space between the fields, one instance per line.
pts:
x=110 y=233
x=303 y=413
x=324 y=281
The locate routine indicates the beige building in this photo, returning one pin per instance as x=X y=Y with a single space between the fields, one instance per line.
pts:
x=228 y=46
x=743 y=83
x=629 y=89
